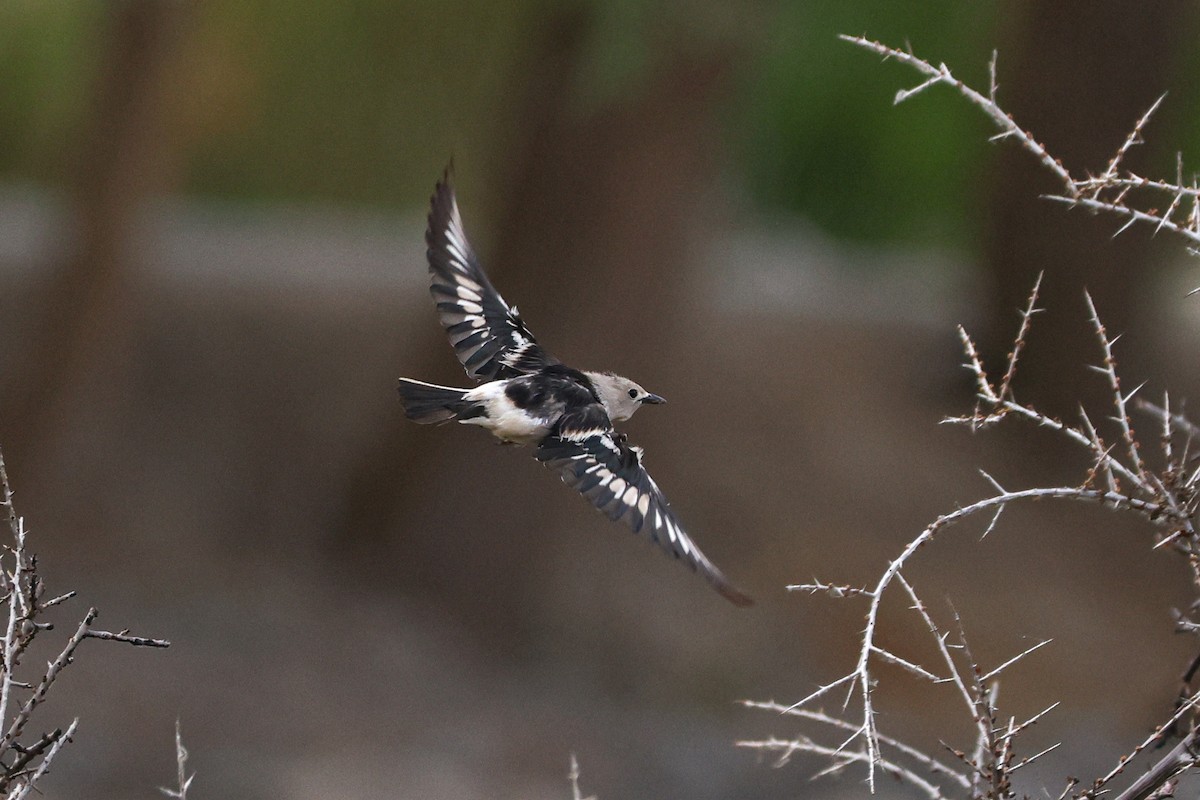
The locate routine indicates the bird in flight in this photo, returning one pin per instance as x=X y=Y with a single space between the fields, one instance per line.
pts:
x=527 y=396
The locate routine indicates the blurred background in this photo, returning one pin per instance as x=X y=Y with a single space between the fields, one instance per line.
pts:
x=212 y=271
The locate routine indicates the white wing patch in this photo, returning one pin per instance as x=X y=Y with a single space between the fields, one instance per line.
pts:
x=488 y=335
x=608 y=472
x=467 y=293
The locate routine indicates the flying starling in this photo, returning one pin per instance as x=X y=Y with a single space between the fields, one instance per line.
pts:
x=527 y=396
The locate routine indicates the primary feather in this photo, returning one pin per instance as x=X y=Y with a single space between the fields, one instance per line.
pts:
x=488 y=335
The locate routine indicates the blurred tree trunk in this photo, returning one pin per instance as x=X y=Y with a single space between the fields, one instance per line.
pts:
x=1078 y=74
x=123 y=156
x=596 y=214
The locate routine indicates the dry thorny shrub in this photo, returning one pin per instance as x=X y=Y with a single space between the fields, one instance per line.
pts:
x=24 y=756
x=1119 y=477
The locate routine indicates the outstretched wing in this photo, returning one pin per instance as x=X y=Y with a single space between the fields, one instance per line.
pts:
x=488 y=335
x=597 y=461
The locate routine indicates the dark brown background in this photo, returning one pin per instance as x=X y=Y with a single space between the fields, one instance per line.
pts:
x=199 y=418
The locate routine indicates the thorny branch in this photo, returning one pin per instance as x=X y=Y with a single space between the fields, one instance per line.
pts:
x=183 y=780
x=22 y=589
x=1135 y=198
x=1119 y=478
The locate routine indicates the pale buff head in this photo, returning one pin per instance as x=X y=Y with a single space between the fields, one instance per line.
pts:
x=620 y=396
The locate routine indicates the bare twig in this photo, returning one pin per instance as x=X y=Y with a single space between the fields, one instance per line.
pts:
x=183 y=780
x=1134 y=138
x=1119 y=477
x=39 y=693
x=1166 y=768
x=1019 y=343
x=1112 y=192
x=927 y=762
x=833 y=590
x=573 y=777
x=6 y=499
x=1109 y=370
x=124 y=636
x=992 y=760
x=841 y=757
x=941 y=74
x=23 y=764
x=1183 y=756
x=29 y=782
x=995 y=672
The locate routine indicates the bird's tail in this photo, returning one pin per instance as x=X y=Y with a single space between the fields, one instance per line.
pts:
x=428 y=403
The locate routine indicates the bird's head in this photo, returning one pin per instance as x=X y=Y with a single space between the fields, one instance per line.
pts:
x=621 y=396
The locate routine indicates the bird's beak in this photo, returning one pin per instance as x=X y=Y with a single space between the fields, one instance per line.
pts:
x=653 y=399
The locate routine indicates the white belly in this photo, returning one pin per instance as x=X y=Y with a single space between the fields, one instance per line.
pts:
x=503 y=419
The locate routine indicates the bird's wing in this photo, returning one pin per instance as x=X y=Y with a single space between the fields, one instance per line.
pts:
x=488 y=334
x=597 y=461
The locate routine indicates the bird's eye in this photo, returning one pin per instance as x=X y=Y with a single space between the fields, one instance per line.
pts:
x=633 y=392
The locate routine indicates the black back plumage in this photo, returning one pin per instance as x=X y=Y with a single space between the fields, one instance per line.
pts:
x=553 y=391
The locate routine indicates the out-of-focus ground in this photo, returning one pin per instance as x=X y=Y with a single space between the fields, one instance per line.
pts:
x=500 y=624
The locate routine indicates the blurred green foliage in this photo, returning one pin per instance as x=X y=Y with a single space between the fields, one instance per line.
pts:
x=820 y=136
x=350 y=101
x=341 y=102
x=361 y=103
x=47 y=56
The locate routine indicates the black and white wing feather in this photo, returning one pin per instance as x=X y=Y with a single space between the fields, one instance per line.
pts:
x=488 y=335
x=597 y=461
